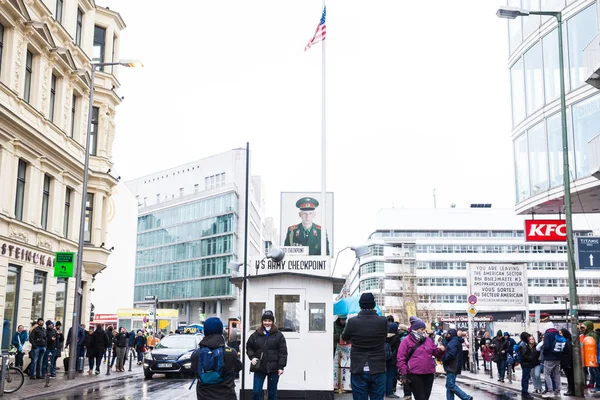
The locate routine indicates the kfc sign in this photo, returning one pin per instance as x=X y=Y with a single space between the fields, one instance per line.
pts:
x=545 y=230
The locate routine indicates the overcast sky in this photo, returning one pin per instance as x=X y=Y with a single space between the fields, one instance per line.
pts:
x=417 y=98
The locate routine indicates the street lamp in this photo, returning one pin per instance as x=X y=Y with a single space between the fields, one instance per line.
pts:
x=359 y=251
x=78 y=291
x=512 y=13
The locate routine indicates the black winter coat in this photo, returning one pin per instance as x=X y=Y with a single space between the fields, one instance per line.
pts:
x=270 y=350
x=38 y=337
x=226 y=389
x=122 y=339
x=394 y=342
x=499 y=346
x=366 y=332
x=51 y=339
x=530 y=357
x=453 y=356
x=98 y=343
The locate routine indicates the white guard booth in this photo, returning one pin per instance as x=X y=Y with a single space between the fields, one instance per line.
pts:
x=299 y=291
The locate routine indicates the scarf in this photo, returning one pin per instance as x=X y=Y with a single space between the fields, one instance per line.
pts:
x=419 y=337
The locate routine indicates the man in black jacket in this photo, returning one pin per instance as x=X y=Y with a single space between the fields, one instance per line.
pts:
x=366 y=333
x=453 y=362
x=213 y=339
x=51 y=346
x=38 y=349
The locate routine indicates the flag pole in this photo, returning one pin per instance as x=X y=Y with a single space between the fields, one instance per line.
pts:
x=323 y=152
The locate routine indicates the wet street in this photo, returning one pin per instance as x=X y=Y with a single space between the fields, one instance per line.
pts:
x=160 y=387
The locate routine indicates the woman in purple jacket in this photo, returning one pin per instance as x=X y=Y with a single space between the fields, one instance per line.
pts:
x=416 y=364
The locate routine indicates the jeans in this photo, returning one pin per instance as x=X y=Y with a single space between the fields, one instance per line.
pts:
x=140 y=356
x=120 y=357
x=390 y=380
x=552 y=375
x=368 y=386
x=52 y=354
x=19 y=359
x=259 y=380
x=525 y=380
x=536 y=377
x=98 y=361
x=595 y=377
x=37 y=359
x=501 y=364
x=452 y=389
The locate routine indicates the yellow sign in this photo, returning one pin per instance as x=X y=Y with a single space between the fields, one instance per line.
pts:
x=138 y=312
x=472 y=311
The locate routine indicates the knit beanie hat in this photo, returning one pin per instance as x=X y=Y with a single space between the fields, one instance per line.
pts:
x=212 y=326
x=402 y=327
x=499 y=333
x=367 y=301
x=49 y=322
x=268 y=315
x=549 y=325
x=416 y=323
x=393 y=328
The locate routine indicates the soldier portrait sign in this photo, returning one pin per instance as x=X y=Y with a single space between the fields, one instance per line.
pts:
x=301 y=219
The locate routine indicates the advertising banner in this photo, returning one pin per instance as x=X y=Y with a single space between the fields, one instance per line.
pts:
x=498 y=284
x=545 y=230
x=302 y=221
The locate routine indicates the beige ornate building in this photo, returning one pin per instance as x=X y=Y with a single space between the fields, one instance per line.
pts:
x=46 y=51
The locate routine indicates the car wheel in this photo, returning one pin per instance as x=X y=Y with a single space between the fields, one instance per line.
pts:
x=148 y=375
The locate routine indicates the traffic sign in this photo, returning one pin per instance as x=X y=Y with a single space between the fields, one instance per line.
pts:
x=63 y=264
x=472 y=299
x=472 y=311
x=588 y=252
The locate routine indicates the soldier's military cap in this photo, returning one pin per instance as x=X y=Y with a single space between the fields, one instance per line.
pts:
x=307 y=203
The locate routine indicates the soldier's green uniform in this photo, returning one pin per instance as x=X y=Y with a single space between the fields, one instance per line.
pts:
x=297 y=235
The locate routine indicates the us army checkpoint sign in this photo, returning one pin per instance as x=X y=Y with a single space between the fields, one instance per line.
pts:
x=302 y=265
x=63 y=264
x=498 y=284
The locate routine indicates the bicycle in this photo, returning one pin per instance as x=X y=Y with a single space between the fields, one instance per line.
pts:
x=14 y=378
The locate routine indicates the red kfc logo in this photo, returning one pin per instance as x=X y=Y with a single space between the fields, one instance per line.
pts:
x=545 y=230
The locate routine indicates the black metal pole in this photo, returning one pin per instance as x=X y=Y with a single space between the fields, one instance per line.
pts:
x=130 y=358
x=244 y=284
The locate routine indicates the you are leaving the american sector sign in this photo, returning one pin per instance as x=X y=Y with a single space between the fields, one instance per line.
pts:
x=498 y=284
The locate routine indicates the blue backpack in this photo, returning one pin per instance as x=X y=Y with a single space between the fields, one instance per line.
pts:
x=558 y=344
x=211 y=364
x=517 y=353
x=388 y=351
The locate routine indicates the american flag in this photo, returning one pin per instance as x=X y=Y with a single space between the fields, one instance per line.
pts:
x=319 y=33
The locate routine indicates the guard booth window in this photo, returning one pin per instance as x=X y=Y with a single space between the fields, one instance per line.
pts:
x=287 y=312
x=316 y=317
x=256 y=312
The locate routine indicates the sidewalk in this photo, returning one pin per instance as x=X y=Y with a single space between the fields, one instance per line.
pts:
x=483 y=379
x=35 y=387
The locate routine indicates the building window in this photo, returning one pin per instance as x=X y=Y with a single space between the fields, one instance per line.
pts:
x=521 y=168
x=79 y=27
x=19 y=202
x=256 y=312
x=517 y=84
x=538 y=158
x=52 y=97
x=61 y=299
x=59 y=11
x=581 y=30
x=1 y=44
x=316 y=318
x=551 y=67
x=287 y=312
x=99 y=45
x=38 y=295
x=555 y=149
x=94 y=131
x=45 y=201
x=73 y=107
x=515 y=30
x=89 y=214
x=28 y=74
x=586 y=119
x=67 y=212
x=11 y=304
x=534 y=79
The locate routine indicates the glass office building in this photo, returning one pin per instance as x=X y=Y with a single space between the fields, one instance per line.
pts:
x=536 y=120
x=188 y=231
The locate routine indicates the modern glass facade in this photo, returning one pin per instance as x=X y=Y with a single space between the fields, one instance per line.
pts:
x=183 y=250
x=535 y=89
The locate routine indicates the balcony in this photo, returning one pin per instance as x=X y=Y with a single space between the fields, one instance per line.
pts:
x=591 y=58
x=594 y=152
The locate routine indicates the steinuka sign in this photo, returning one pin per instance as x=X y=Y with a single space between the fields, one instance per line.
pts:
x=545 y=230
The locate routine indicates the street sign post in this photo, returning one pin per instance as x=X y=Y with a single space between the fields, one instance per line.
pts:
x=588 y=252
x=63 y=264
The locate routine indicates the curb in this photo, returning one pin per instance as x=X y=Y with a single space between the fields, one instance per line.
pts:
x=54 y=389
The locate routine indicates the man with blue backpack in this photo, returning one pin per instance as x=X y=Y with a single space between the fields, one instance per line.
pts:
x=216 y=365
x=554 y=344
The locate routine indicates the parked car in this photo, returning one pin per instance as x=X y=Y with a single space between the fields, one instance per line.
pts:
x=171 y=355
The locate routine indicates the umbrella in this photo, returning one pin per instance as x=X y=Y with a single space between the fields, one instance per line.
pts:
x=349 y=305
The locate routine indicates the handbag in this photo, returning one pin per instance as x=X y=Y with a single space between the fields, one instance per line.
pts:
x=26 y=347
x=255 y=368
